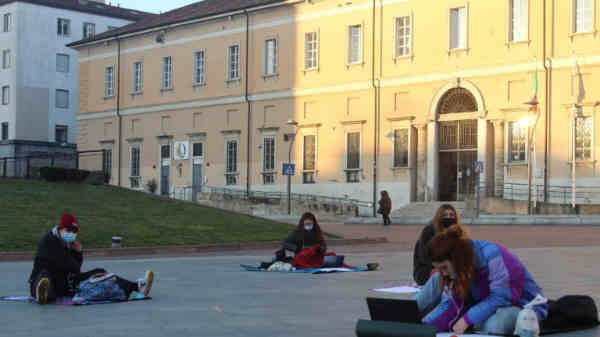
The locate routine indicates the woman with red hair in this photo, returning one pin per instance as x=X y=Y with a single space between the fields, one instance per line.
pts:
x=485 y=285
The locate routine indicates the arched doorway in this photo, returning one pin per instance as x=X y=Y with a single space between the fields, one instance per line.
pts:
x=457 y=145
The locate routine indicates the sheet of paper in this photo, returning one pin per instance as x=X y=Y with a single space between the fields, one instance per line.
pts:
x=334 y=269
x=448 y=334
x=398 y=290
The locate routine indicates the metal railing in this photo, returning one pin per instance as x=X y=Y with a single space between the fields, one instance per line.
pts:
x=556 y=194
x=28 y=167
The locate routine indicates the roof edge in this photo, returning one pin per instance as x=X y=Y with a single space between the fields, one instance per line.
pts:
x=98 y=12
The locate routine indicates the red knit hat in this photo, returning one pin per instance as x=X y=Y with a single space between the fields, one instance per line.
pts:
x=68 y=221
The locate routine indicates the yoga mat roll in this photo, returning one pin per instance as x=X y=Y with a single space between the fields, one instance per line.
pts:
x=366 y=328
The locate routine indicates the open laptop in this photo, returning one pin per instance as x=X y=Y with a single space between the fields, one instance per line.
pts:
x=393 y=310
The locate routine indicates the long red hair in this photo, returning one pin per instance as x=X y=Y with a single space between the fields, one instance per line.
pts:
x=454 y=245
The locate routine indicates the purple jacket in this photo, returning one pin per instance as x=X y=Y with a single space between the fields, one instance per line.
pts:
x=501 y=280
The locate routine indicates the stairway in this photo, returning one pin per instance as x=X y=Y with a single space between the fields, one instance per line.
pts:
x=427 y=209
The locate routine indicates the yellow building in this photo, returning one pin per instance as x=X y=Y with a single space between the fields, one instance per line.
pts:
x=397 y=95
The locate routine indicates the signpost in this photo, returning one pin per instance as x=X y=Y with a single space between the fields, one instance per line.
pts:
x=289 y=169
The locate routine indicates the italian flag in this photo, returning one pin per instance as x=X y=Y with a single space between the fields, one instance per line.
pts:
x=535 y=91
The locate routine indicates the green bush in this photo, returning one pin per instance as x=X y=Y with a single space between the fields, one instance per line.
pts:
x=63 y=174
x=152 y=185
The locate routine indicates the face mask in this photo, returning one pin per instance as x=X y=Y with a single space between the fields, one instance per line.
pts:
x=308 y=227
x=69 y=237
x=447 y=222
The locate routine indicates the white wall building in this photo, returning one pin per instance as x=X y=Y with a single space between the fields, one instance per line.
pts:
x=38 y=72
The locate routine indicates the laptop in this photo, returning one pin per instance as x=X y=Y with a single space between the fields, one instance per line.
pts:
x=393 y=310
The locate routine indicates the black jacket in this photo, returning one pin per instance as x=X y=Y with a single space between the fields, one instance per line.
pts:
x=292 y=242
x=422 y=258
x=60 y=261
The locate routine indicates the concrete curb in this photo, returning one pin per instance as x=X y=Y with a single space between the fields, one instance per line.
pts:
x=158 y=250
x=537 y=220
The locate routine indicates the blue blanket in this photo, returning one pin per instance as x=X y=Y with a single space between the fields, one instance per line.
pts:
x=69 y=300
x=306 y=271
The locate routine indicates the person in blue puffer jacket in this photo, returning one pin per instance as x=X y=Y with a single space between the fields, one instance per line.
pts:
x=485 y=286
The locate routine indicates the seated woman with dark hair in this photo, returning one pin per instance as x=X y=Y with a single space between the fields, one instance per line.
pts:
x=306 y=235
x=485 y=285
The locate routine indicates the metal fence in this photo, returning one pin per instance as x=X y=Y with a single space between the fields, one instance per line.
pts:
x=556 y=194
x=28 y=167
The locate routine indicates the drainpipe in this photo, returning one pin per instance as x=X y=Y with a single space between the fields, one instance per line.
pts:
x=546 y=106
x=119 y=117
x=249 y=148
x=376 y=115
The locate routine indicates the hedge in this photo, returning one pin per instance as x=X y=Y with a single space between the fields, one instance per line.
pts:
x=63 y=174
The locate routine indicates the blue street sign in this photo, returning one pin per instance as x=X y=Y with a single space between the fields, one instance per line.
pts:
x=478 y=166
x=289 y=169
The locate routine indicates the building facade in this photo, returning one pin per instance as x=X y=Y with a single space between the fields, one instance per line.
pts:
x=38 y=74
x=398 y=95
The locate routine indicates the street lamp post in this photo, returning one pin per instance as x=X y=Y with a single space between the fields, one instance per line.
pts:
x=291 y=138
x=533 y=103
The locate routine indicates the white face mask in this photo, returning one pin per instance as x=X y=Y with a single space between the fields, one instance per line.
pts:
x=308 y=227
x=69 y=237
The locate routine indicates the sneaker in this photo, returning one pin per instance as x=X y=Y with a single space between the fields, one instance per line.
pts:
x=145 y=284
x=42 y=290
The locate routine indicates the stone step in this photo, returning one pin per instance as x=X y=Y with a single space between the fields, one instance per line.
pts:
x=426 y=209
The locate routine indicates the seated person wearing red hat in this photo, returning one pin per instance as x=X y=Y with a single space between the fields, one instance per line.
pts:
x=57 y=265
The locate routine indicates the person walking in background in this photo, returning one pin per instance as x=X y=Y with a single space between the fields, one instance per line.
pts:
x=385 y=207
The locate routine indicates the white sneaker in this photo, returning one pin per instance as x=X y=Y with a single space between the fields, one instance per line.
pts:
x=145 y=284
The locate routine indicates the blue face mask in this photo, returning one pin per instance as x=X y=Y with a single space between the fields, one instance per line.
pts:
x=308 y=227
x=69 y=237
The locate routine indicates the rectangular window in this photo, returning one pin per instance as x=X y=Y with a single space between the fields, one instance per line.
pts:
x=354 y=44
x=5 y=131
x=62 y=63
x=352 y=157
x=5 y=95
x=198 y=150
x=270 y=57
x=311 y=50
x=517 y=142
x=231 y=162
x=583 y=139
x=167 y=73
x=61 y=134
x=62 y=99
x=268 y=160
x=233 y=66
x=89 y=30
x=107 y=161
x=138 y=77
x=63 y=27
x=6 y=59
x=109 y=81
x=401 y=148
x=165 y=151
x=583 y=13
x=458 y=28
x=518 y=20
x=309 y=159
x=199 y=66
x=7 y=23
x=134 y=170
x=403 y=36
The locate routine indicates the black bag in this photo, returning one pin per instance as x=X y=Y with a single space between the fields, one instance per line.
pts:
x=571 y=312
x=333 y=261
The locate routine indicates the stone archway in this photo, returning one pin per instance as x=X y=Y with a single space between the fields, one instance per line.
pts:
x=457 y=100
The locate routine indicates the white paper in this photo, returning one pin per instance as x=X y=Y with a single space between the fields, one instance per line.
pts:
x=450 y=334
x=334 y=269
x=398 y=290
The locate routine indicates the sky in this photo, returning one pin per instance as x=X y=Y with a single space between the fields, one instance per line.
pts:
x=153 y=6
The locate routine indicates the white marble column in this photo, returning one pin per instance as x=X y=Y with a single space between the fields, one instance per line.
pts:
x=483 y=154
x=421 y=161
x=498 y=158
x=432 y=161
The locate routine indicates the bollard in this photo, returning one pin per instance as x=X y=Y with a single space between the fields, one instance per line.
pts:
x=116 y=242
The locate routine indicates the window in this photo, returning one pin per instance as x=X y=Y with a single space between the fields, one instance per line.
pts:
x=109 y=81
x=6 y=59
x=311 y=50
x=134 y=170
x=64 y=27
x=107 y=162
x=583 y=139
x=62 y=99
x=401 y=148
x=403 y=36
x=62 y=63
x=61 y=133
x=7 y=23
x=199 y=67
x=5 y=95
x=458 y=28
x=309 y=167
x=198 y=150
x=271 y=57
x=89 y=30
x=352 y=157
x=138 y=77
x=583 y=15
x=518 y=20
x=517 y=142
x=233 y=66
x=354 y=44
x=268 y=160
x=167 y=73
x=231 y=163
x=5 y=131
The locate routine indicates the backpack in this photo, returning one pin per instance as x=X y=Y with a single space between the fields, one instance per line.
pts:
x=571 y=312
